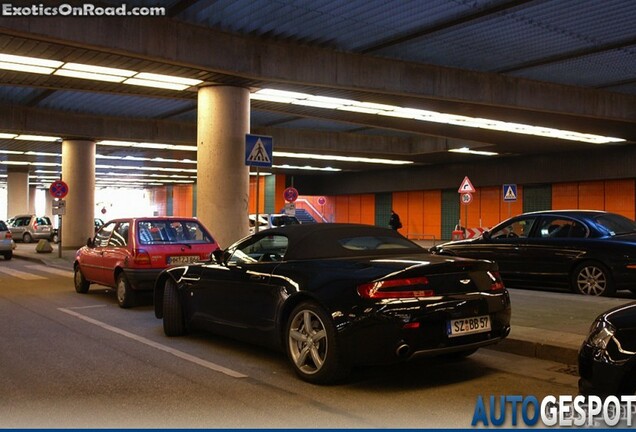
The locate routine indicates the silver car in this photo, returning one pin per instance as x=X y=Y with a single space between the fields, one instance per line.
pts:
x=6 y=241
x=30 y=227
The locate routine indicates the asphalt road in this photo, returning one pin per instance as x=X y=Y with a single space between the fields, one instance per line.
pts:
x=79 y=361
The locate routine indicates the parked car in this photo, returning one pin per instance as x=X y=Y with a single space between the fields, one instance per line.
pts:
x=336 y=295
x=267 y=221
x=128 y=254
x=607 y=358
x=27 y=228
x=590 y=252
x=6 y=241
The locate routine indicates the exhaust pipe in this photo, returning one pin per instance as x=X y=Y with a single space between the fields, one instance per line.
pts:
x=403 y=350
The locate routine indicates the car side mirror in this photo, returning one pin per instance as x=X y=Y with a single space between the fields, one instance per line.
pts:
x=90 y=243
x=217 y=256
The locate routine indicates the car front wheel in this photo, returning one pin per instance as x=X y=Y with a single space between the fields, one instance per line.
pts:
x=8 y=255
x=125 y=295
x=592 y=278
x=81 y=284
x=173 y=322
x=312 y=347
x=27 y=238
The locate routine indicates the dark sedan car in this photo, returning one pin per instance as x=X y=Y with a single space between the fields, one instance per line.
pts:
x=607 y=359
x=590 y=252
x=336 y=295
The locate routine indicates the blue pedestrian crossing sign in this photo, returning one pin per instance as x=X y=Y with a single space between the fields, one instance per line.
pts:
x=509 y=192
x=258 y=150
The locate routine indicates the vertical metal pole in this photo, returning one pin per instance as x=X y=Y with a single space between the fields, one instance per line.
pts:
x=59 y=236
x=258 y=192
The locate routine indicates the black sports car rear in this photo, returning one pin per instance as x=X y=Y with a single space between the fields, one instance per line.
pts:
x=337 y=295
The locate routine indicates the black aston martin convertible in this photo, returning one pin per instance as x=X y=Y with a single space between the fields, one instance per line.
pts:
x=337 y=295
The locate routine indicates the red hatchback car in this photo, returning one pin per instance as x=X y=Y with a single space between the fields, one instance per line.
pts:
x=128 y=254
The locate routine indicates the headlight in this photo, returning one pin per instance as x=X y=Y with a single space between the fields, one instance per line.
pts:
x=600 y=334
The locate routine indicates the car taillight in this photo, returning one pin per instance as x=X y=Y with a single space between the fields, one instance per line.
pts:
x=396 y=288
x=35 y=225
x=7 y=235
x=141 y=257
x=497 y=283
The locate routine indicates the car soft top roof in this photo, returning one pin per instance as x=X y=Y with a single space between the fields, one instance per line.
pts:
x=321 y=240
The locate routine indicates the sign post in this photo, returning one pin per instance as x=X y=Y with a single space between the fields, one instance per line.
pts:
x=58 y=191
x=465 y=191
x=509 y=194
x=258 y=153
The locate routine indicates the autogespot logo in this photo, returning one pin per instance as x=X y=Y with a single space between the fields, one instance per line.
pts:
x=85 y=9
x=555 y=411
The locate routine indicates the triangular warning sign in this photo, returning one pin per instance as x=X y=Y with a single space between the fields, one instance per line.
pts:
x=510 y=194
x=259 y=154
x=466 y=186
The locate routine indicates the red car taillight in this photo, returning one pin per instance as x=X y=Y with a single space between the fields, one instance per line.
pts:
x=396 y=288
x=141 y=257
x=7 y=235
x=497 y=283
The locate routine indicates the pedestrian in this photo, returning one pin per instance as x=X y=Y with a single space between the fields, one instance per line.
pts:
x=394 y=221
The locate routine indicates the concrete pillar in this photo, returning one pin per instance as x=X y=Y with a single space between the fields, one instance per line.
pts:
x=222 y=176
x=17 y=190
x=32 y=194
x=78 y=172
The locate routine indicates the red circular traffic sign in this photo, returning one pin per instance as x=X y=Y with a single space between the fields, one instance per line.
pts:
x=290 y=194
x=467 y=198
x=322 y=200
x=58 y=189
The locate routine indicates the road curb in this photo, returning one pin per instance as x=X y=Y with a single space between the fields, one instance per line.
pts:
x=543 y=351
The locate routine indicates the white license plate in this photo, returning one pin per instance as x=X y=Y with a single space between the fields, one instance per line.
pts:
x=464 y=326
x=184 y=259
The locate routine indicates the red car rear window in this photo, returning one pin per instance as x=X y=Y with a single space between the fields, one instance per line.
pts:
x=171 y=231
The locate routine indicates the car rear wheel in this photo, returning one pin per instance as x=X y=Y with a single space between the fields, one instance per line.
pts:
x=312 y=347
x=81 y=284
x=8 y=255
x=592 y=278
x=26 y=238
x=125 y=294
x=55 y=238
x=173 y=322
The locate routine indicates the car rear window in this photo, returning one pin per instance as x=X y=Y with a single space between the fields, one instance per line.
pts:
x=3 y=226
x=374 y=243
x=171 y=231
x=615 y=224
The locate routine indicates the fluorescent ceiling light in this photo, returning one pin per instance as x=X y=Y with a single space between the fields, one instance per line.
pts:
x=155 y=84
x=11 y=152
x=153 y=145
x=281 y=96
x=341 y=158
x=116 y=143
x=15 y=163
x=99 y=69
x=184 y=147
x=7 y=135
x=26 y=68
x=89 y=75
x=306 y=167
x=475 y=152
x=168 y=79
x=33 y=61
x=37 y=138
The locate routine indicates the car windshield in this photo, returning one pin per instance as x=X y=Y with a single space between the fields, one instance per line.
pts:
x=614 y=224
x=171 y=231
x=283 y=220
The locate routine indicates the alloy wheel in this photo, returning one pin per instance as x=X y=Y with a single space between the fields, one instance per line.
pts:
x=591 y=280
x=308 y=342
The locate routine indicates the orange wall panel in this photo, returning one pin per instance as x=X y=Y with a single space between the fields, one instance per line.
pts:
x=342 y=208
x=401 y=207
x=354 y=209
x=160 y=200
x=592 y=195
x=565 y=196
x=182 y=200
x=620 y=197
x=432 y=213
x=279 y=199
x=367 y=209
x=490 y=206
x=415 y=215
x=473 y=210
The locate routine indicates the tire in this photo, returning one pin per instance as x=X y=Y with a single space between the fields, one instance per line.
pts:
x=26 y=238
x=55 y=238
x=81 y=284
x=125 y=294
x=592 y=278
x=8 y=255
x=173 y=320
x=312 y=348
